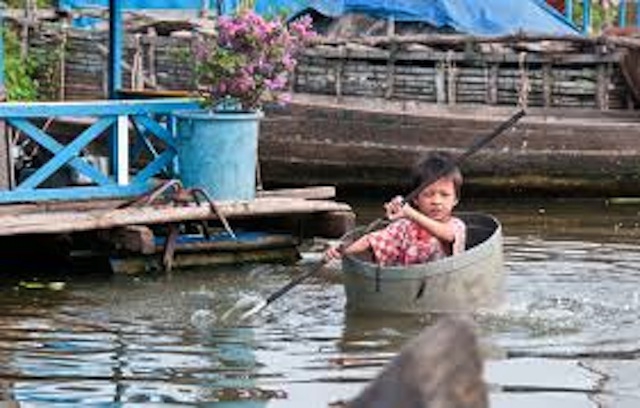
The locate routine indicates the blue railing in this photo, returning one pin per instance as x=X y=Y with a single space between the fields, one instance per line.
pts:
x=129 y=127
x=624 y=9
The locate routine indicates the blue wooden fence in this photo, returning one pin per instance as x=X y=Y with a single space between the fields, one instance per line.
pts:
x=153 y=127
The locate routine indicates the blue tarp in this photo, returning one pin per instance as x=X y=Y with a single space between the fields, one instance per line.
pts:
x=478 y=17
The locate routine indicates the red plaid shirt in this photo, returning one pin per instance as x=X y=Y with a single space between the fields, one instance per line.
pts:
x=405 y=242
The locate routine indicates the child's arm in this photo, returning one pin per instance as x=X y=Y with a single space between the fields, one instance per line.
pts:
x=441 y=230
x=359 y=245
x=398 y=208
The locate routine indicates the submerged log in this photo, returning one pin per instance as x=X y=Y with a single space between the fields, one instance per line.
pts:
x=439 y=368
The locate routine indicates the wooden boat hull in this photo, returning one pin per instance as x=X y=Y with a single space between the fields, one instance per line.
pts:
x=361 y=142
x=465 y=282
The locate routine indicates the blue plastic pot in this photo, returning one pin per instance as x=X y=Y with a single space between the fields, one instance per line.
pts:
x=218 y=152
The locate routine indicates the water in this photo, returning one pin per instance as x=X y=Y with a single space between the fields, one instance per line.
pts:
x=568 y=335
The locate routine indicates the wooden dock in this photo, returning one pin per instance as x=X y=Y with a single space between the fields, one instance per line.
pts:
x=60 y=222
x=139 y=237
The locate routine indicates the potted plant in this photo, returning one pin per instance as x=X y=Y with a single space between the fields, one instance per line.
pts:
x=242 y=62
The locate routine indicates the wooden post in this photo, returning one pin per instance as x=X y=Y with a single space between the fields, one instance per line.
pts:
x=547 y=85
x=29 y=6
x=152 y=36
x=602 y=89
x=391 y=63
x=441 y=96
x=116 y=41
x=137 y=75
x=451 y=78
x=121 y=169
x=6 y=165
x=63 y=57
x=524 y=86
x=339 y=68
x=492 y=84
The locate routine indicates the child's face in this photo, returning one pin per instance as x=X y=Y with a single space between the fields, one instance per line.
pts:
x=438 y=200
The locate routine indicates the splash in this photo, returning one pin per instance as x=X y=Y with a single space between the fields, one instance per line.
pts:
x=245 y=307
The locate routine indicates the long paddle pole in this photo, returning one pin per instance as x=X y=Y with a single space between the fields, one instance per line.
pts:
x=477 y=145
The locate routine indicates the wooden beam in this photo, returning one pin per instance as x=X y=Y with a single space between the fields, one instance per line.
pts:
x=136 y=238
x=63 y=222
x=309 y=193
x=140 y=264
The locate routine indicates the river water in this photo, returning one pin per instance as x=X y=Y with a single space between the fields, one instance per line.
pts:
x=568 y=334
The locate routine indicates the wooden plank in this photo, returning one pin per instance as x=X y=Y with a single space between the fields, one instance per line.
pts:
x=140 y=264
x=309 y=193
x=431 y=56
x=63 y=222
x=266 y=242
x=460 y=39
x=95 y=107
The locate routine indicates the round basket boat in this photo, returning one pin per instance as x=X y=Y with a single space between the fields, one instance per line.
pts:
x=465 y=282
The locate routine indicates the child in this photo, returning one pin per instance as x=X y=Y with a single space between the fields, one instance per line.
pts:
x=423 y=230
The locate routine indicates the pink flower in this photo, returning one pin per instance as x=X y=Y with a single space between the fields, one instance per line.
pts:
x=249 y=58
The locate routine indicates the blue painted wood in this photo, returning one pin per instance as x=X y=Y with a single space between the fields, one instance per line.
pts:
x=154 y=127
x=73 y=193
x=153 y=120
x=637 y=13
x=155 y=167
x=95 y=108
x=116 y=41
x=141 y=142
x=54 y=147
x=622 y=13
x=173 y=129
x=568 y=9
x=70 y=151
x=586 y=16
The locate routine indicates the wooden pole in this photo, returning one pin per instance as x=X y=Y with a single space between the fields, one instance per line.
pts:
x=6 y=165
x=116 y=41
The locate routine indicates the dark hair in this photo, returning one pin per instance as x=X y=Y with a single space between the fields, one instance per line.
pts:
x=435 y=166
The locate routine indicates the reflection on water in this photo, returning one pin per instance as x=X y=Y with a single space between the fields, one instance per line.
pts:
x=567 y=336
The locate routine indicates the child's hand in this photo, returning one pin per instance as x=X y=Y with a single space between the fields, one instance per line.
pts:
x=395 y=208
x=334 y=252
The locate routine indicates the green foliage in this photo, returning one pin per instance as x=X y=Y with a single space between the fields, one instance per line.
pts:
x=21 y=3
x=601 y=16
x=18 y=73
